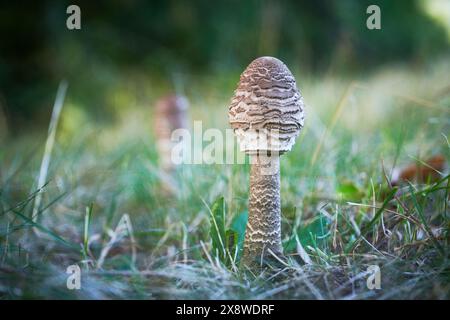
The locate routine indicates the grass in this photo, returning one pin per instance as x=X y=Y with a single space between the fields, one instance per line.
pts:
x=105 y=208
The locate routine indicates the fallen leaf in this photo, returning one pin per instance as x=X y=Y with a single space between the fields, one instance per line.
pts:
x=427 y=171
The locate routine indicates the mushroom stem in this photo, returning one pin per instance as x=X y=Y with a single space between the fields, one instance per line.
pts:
x=264 y=217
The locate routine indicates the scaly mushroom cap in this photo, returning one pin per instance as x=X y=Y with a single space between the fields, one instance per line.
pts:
x=266 y=111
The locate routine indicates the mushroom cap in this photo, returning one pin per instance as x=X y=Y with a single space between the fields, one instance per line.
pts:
x=170 y=114
x=172 y=104
x=266 y=111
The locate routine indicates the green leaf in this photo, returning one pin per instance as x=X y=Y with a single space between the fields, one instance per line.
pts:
x=347 y=190
x=313 y=234
x=238 y=226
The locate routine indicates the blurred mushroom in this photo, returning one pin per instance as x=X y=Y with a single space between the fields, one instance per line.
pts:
x=266 y=114
x=171 y=114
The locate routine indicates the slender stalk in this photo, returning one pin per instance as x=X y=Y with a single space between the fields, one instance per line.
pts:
x=264 y=217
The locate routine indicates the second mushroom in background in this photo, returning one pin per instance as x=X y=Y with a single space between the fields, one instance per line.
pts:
x=266 y=114
x=170 y=114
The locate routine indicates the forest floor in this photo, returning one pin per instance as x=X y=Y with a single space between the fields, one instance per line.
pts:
x=106 y=206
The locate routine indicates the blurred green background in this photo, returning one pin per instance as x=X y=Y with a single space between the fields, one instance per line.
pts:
x=147 y=48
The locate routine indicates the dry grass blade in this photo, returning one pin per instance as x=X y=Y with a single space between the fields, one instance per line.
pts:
x=124 y=228
x=57 y=108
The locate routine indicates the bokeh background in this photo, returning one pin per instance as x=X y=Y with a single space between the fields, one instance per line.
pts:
x=130 y=52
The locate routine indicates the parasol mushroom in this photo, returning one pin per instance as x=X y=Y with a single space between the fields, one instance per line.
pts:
x=266 y=114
